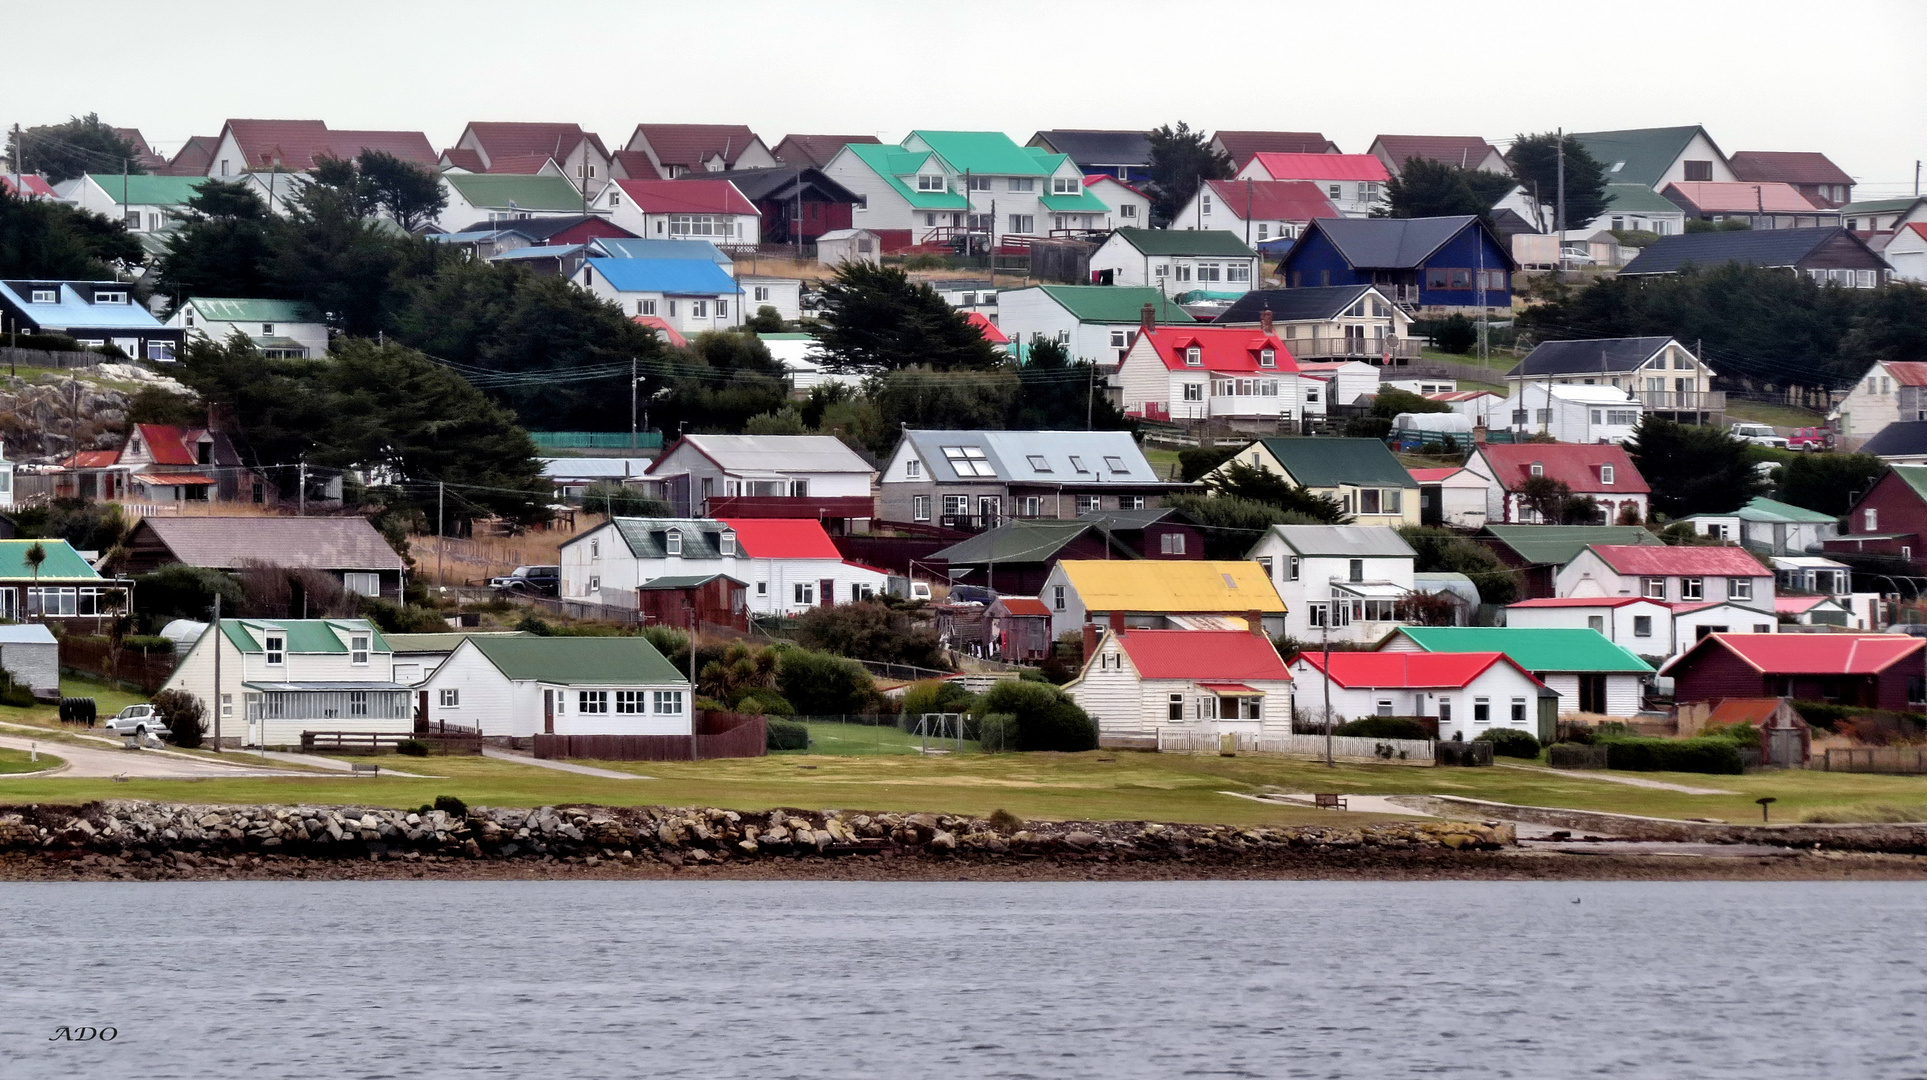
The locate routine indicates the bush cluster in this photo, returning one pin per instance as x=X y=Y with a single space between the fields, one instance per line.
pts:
x=183 y=713
x=1384 y=727
x=1511 y=742
x=787 y=735
x=412 y=748
x=1043 y=717
x=1645 y=754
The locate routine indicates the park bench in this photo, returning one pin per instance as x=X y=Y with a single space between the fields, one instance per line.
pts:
x=360 y=767
x=1329 y=802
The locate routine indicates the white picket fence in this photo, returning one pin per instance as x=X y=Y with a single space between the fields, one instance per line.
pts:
x=1348 y=747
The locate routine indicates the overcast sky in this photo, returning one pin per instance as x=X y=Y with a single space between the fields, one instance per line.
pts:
x=1758 y=74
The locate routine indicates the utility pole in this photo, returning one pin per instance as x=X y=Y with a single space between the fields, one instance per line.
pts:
x=301 y=488
x=1559 y=214
x=441 y=541
x=1326 y=634
x=216 y=631
x=632 y=406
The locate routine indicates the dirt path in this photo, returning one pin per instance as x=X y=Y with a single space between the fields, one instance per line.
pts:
x=1632 y=781
x=85 y=761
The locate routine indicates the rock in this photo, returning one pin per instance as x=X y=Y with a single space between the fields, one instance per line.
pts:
x=1082 y=841
x=943 y=841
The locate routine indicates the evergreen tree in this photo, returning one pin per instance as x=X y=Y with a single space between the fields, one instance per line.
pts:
x=876 y=319
x=1692 y=469
x=1425 y=188
x=1828 y=482
x=411 y=194
x=1058 y=395
x=40 y=239
x=1181 y=160
x=1535 y=163
x=1241 y=481
x=61 y=152
x=223 y=247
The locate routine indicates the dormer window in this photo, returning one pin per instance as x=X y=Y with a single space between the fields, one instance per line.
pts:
x=276 y=648
x=1267 y=358
x=728 y=544
x=673 y=543
x=926 y=182
x=1537 y=469
x=1064 y=185
x=1605 y=474
x=204 y=452
x=110 y=296
x=358 y=649
x=1193 y=357
x=46 y=296
x=267 y=328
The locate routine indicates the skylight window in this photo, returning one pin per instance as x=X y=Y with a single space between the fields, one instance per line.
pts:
x=1116 y=463
x=968 y=461
x=1078 y=463
x=1038 y=463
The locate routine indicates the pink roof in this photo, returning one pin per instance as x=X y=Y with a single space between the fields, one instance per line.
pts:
x=1203 y=654
x=1432 y=476
x=1688 y=607
x=1908 y=372
x=1798 y=605
x=686 y=197
x=1919 y=228
x=1812 y=654
x=1220 y=348
x=1389 y=669
x=783 y=538
x=1098 y=178
x=31 y=187
x=1787 y=167
x=512 y=139
x=661 y=326
x=1743 y=198
x=1323 y=167
x=987 y=328
x=1657 y=560
x=93 y=459
x=1575 y=463
x=1581 y=602
x=1274 y=200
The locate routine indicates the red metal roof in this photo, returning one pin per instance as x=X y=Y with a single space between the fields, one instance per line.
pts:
x=1220 y=348
x=987 y=328
x=1919 y=229
x=1407 y=669
x=510 y=139
x=1726 y=198
x=168 y=479
x=668 y=333
x=31 y=186
x=1024 y=605
x=1323 y=167
x=1275 y=200
x=1658 y=560
x=1812 y=654
x=462 y=158
x=1787 y=167
x=93 y=459
x=1203 y=654
x=1432 y=476
x=635 y=164
x=1575 y=463
x=689 y=145
x=1743 y=710
x=686 y=197
x=1908 y=372
x=1228 y=688
x=194 y=157
x=1581 y=601
x=1797 y=605
x=168 y=445
x=1460 y=395
x=1098 y=178
x=783 y=538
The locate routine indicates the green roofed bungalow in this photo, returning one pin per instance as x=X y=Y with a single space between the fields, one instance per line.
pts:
x=1097 y=321
x=63 y=587
x=474 y=197
x=1590 y=674
x=1361 y=474
x=142 y=190
x=526 y=686
x=1176 y=260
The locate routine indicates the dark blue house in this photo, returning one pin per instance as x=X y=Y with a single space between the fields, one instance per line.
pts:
x=1418 y=262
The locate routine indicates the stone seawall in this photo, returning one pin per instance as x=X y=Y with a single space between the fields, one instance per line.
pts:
x=1900 y=839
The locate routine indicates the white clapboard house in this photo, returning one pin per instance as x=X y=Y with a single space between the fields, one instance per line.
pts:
x=1211 y=682
x=281 y=677
x=521 y=686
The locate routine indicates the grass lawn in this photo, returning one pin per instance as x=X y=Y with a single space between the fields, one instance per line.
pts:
x=1163 y=460
x=1766 y=412
x=19 y=761
x=1499 y=362
x=865 y=740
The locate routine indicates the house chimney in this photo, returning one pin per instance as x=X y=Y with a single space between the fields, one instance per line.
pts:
x=1148 y=318
x=1264 y=320
x=1117 y=623
x=1255 y=622
x=1090 y=641
x=1478 y=433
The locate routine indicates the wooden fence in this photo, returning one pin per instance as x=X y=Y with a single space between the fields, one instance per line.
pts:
x=41 y=358
x=718 y=735
x=1902 y=760
x=147 y=670
x=1348 y=747
x=383 y=742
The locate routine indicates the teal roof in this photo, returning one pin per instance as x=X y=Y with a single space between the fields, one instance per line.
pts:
x=148 y=190
x=982 y=152
x=1219 y=242
x=892 y=164
x=1642 y=154
x=1767 y=510
x=605 y=661
x=1557 y=545
x=226 y=309
x=303 y=635
x=1914 y=476
x=687 y=581
x=1323 y=463
x=63 y=563
x=1116 y=303
x=500 y=190
x=442 y=642
x=1081 y=203
x=1536 y=650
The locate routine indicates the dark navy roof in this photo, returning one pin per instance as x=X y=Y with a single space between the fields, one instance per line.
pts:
x=1089 y=148
x=1292 y=305
x=1902 y=438
x=1748 y=247
x=1392 y=243
x=1587 y=356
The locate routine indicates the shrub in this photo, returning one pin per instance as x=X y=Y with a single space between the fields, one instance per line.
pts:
x=1511 y=742
x=150 y=643
x=1455 y=334
x=533 y=624
x=787 y=734
x=1004 y=821
x=182 y=712
x=763 y=702
x=1641 y=754
x=1045 y=717
x=16 y=696
x=412 y=748
x=392 y=618
x=1384 y=727
x=1195 y=461
x=449 y=804
x=873 y=631
x=819 y=685
x=933 y=696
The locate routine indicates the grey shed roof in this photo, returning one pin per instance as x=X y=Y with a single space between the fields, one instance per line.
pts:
x=1107 y=457
x=323 y=543
x=27 y=634
x=1089 y=148
x=1351 y=541
x=1394 y=243
x=1292 y=305
x=774 y=454
x=1588 y=355
x=1902 y=438
x=1748 y=247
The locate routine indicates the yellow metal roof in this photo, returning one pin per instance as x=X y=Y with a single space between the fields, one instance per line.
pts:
x=1158 y=585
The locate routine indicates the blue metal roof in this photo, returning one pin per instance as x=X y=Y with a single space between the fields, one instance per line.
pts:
x=674 y=277
x=537 y=251
x=73 y=310
x=638 y=248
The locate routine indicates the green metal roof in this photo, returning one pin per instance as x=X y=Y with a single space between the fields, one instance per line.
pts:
x=1880 y=206
x=1020 y=542
x=1534 y=649
x=1081 y=203
x=441 y=643
x=687 y=581
x=303 y=635
x=63 y=563
x=982 y=152
x=148 y=190
x=1559 y=544
x=1639 y=199
x=892 y=164
x=1768 y=510
x=1116 y=303
x=1914 y=476
x=497 y=191
x=1323 y=463
x=578 y=660
x=227 y=309
x=1219 y=242
x=1646 y=152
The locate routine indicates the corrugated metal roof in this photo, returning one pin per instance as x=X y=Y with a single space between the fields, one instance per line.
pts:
x=148 y=190
x=639 y=248
x=1557 y=544
x=1638 y=155
x=1577 y=465
x=816 y=150
x=1810 y=654
x=774 y=454
x=62 y=563
x=691 y=145
x=783 y=538
x=687 y=581
x=1203 y=654
x=1586 y=356
x=1172 y=585
x=1114 y=303
x=1094 y=148
x=503 y=192
x=1747 y=247
x=1741 y=198
x=1356 y=541
x=1389 y=243
x=1220 y=348
x=1901 y=438
x=227 y=309
x=1273 y=200
x=1691 y=560
x=645 y=537
x=1639 y=199
x=574 y=661
x=891 y=164
x=701 y=196
x=301 y=635
x=72 y=311
x=37 y=634
x=1107 y=457
x=676 y=277
x=1385 y=670
x=226 y=543
x=1787 y=167
x=1533 y=649
x=1365 y=167
x=1242 y=146
x=404 y=644
x=1219 y=242
x=1458 y=151
x=1018 y=542
x=982 y=152
x=1292 y=305
x=1322 y=463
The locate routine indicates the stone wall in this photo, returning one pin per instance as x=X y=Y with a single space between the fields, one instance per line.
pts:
x=1910 y=839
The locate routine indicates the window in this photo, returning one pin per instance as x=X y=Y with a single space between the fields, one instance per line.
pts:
x=1481 y=710
x=1292 y=564
x=956 y=505
x=276 y=647
x=1038 y=463
x=920 y=508
x=1128 y=210
x=358 y=649
x=595 y=583
x=592 y=701
x=1078 y=464
x=1336 y=191
x=1263 y=231
x=1193 y=356
x=1642 y=626
x=1605 y=474
x=805 y=592
x=1518 y=712
x=699 y=309
x=1739 y=588
x=698 y=225
x=1033 y=506
x=1653 y=588
x=227 y=704
x=1870 y=519
x=631 y=701
x=1022 y=223
x=1057 y=597
x=1020 y=183
x=1194 y=391
x=913 y=469
x=672 y=543
x=1267 y=358
x=968 y=461
x=668 y=702
x=113 y=296
x=1698 y=170
x=1174 y=709
x=645 y=307
x=451 y=698
x=722 y=309
x=1368 y=501
x=46 y=296
x=1173 y=544
x=1596 y=623
x=160 y=350
x=1383 y=706
x=1537 y=469
x=1064 y=185
x=762 y=588
x=362 y=583
x=980 y=183
x=1209 y=272
x=1445 y=712
x=615 y=197
x=1355 y=570
x=926 y=182
x=1692 y=588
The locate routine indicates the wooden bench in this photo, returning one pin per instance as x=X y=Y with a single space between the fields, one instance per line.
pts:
x=1328 y=802
x=359 y=767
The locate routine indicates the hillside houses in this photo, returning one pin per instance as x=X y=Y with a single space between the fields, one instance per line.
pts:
x=1210 y=373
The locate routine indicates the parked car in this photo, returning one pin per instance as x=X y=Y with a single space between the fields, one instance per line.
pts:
x=543 y=580
x=138 y=720
x=1911 y=629
x=1758 y=435
x=1810 y=438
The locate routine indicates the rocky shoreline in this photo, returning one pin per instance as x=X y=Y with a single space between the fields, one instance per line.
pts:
x=133 y=840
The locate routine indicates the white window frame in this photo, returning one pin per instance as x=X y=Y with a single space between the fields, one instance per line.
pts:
x=450 y=697
x=1739 y=588
x=666 y=702
x=359 y=648
x=276 y=648
x=804 y=592
x=672 y=542
x=591 y=702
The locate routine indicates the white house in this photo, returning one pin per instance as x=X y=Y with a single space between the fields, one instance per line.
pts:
x=1468 y=693
x=1335 y=322
x=783 y=294
x=1212 y=682
x=1659 y=371
x=1907 y=253
x=1256 y=210
x=790 y=565
x=1212 y=261
x=478 y=197
x=1890 y=391
x=1692 y=622
x=690 y=295
x=1643 y=626
x=281 y=677
x=1451 y=497
x=803 y=363
x=1589 y=673
x=1775 y=528
x=146 y=204
x=1570 y=414
x=1355 y=183
x=1684 y=574
x=937 y=186
x=712 y=210
x=1096 y=324
x=1128 y=206
x=698 y=468
x=1603 y=472
x=1352 y=576
x=1209 y=372
x=519 y=686
x=278 y=328
x=838 y=246
x=1345 y=380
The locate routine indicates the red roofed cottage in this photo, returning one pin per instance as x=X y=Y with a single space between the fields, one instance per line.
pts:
x=1469 y=693
x=1196 y=682
x=1681 y=574
x=1882 y=671
x=1601 y=470
x=1202 y=372
x=1256 y=210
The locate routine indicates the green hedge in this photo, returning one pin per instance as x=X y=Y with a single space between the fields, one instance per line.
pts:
x=1511 y=742
x=1384 y=727
x=787 y=734
x=1641 y=754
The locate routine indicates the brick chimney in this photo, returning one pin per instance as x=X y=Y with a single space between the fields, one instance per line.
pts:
x=1090 y=641
x=220 y=416
x=1117 y=623
x=1255 y=622
x=1147 y=319
x=1264 y=321
x=1478 y=434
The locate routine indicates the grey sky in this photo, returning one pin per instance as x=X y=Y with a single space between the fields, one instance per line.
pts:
x=1759 y=74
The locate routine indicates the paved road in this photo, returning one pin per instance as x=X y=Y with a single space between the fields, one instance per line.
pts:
x=85 y=761
x=562 y=766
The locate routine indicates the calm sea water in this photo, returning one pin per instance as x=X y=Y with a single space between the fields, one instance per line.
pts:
x=542 y=980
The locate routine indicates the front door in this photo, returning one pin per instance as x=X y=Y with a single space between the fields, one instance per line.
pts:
x=1592 y=694
x=827 y=591
x=988 y=508
x=548 y=712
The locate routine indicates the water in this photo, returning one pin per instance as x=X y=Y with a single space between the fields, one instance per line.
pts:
x=542 y=980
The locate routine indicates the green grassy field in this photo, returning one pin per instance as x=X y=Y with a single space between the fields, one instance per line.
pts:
x=20 y=761
x=862 y=740
x=1764 y=412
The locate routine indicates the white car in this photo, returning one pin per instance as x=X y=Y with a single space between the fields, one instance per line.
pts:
x=1758 y=435
x=138 y=720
